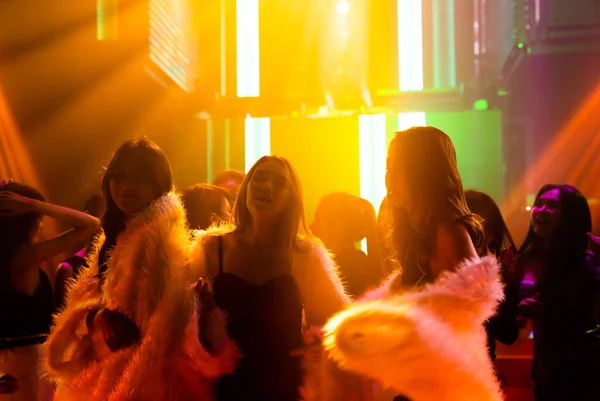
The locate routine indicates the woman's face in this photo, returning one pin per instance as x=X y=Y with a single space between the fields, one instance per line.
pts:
x=545 y=215
x=130 y=187
x=269 y=190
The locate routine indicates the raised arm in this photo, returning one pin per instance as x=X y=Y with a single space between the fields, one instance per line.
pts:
x=83 y=225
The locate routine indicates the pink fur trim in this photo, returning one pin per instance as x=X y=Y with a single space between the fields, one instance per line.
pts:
x=428 y=345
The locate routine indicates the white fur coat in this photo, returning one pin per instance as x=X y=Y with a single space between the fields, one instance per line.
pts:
x=323 y=294
x=148 y=280
x=428 y=345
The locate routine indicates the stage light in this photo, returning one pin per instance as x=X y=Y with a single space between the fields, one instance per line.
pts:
x=342 y=7
x=528 y=208
x=409 y=120
x=410 y=45
x=481 y=105
x=257 y=134
x=372 y=157
x=107 y=19
x=172 y=41
x=247 y=48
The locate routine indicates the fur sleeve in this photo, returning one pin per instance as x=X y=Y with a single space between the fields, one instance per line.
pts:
x=82 y=295
x=323 y=294
x=320 y=285
x=174 y=358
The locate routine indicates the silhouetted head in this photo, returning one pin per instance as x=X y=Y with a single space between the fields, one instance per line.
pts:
x=205 y=205
x=497 y=236
x=230 y=180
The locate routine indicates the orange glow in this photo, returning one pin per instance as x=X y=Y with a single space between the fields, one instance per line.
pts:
x=571 y=158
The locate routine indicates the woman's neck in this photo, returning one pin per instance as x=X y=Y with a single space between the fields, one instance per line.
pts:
x=263 y=234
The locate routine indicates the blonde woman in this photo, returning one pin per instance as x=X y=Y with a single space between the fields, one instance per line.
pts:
x=274 y=285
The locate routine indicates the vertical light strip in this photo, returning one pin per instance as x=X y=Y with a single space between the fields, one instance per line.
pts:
x=437 y=74
x=372 y=157
x=410 y=45
x=223 y=89
x=227 y=145
x=414 y=119
x=258 y=139
x=247 y=48
x=209 y=150
x=451 y=44
x=107 y=14
x=483 y=26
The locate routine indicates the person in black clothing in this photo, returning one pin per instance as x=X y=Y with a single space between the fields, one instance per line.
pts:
x=26 y=299
x=273 y=285
x=498 y=242
x=559 y=287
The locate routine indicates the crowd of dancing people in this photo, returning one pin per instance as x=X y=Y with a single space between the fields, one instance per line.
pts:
x=225 y=292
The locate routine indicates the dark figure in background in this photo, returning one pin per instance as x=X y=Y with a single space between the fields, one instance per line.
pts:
x=231 y=181
x=26 y=299
x=205 y=205
x=384 y=230
x=559 y=288
x=498 y=242
x=342 y=220
x=70 y=267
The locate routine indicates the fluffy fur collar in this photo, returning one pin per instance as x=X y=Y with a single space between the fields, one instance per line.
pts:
x=323 y=294
x=147 y=279
x=428 y=345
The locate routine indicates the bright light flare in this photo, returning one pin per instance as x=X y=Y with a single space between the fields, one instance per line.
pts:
x=248 y=58
x=410 y=45
x=342 y=7
x=409 y=120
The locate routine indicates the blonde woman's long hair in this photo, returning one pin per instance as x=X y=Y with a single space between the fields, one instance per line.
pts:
x=293 y=218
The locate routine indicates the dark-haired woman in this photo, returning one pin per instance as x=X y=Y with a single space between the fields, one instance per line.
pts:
x=128 y=330
x=432 y=228
x=560 y=288
x=26 y=299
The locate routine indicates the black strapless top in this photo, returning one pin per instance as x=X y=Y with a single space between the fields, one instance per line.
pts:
x=22 y=315
x=265 y=321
